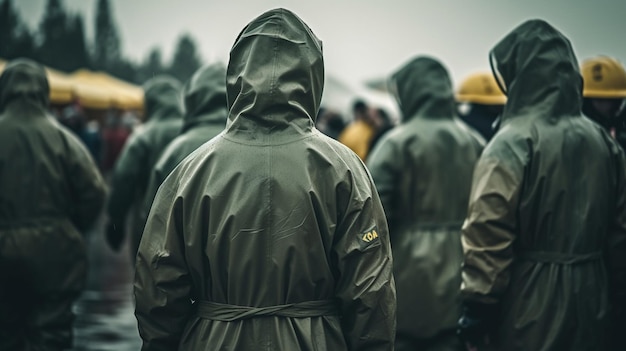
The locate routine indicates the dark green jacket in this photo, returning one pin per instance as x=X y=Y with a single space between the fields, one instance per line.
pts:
x=423 y=172
x=545 y=235
x=50 y=191
x=205 y=117
x=163 y=109
x=269 y=213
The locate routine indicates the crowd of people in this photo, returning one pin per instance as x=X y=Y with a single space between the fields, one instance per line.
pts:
x=492 y=217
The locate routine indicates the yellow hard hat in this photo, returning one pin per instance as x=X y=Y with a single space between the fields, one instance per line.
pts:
x=604 y=78
x=481 y=88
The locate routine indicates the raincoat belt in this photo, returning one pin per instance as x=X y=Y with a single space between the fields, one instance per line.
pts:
x=560 y=258
x=228 y=313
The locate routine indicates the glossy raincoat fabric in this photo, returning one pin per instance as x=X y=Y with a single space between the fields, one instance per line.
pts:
x=205 y=117
x=50 y=191
x=423 y=171
x=547 y=211
x=269 y=213
x=163 y=109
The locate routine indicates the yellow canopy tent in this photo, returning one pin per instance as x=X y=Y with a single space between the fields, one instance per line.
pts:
x=90 y=94
x=121 y=94
x=61 y=88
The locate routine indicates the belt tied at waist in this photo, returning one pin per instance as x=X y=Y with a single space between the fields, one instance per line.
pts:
x=560 y=258
x=228 y=313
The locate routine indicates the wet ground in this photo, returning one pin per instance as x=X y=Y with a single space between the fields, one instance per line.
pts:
x=105 y=317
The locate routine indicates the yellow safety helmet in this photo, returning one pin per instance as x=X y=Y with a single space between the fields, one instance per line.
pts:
x=604 y=78
x=481 y=88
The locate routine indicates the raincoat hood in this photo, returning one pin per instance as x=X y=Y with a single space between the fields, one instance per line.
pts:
x=423 y=88
x=275 y=77
x=24 y=80
x=536 y=67
x=205 y=97
x=162 y=98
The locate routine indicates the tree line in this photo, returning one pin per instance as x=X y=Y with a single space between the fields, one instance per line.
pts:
x=60 y=42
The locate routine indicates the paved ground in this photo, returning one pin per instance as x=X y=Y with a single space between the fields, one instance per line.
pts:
x=105 y=317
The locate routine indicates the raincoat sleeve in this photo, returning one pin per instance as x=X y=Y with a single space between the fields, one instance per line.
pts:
x=88 y=188
x=162 y=281
x=385 y=166
x=489 y=229
x=617 y=253
x=365 y=285
x=129 y=170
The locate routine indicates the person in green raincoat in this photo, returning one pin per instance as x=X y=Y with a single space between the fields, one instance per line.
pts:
x=50 y=191
x=205 y=117
x=271 y=236
x=545 y=234
x=423 y=172
x=163 y=109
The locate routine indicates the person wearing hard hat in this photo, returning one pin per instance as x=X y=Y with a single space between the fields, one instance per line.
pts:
x=545 y=235
x=484 y=101
x=423 y=172
x=604 y=93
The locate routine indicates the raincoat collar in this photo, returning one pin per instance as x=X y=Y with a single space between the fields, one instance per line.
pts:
x=274 y=79
x=24 y=82
x=424 y=90
x=536 y=67
x=205 y=97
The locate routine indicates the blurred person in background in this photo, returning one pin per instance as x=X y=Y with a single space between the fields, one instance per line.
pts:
x=383 y=123
x=74 y=118
x=484 y=103
x=423 y=170
x=114 y=137
x=620 y=129
x=330 y=123
x=604 y=94
x=163 y=109
x=205 y=117
x=50 y=192
x=545 y=234
x=131 y=121
x=271 y=235
x=358 y=134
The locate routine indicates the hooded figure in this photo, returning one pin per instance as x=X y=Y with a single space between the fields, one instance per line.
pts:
x=141 y=152
x=423 y=171
x=545 y=236
x=270 y=236
x=50 y=191
x=205 y=117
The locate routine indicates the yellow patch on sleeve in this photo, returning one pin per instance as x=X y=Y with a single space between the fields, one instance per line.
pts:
x=369 y=238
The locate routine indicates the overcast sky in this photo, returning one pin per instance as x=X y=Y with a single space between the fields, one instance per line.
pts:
x=363 y=39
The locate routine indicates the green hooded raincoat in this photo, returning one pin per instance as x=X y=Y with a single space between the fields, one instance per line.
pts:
x=50 y=191
x=205 y=117
x=163 y=109
x=274 y=230
x=547 y=213
x=423 y=172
